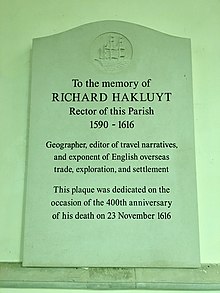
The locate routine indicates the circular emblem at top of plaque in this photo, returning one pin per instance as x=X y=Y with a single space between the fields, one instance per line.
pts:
x=111 y=52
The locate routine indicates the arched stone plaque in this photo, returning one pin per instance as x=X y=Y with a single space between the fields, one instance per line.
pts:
x=111 y=179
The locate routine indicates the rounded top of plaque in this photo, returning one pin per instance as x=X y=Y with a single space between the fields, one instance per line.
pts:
x=111 y=52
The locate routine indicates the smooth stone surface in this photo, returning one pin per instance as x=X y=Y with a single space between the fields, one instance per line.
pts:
x=139 y=81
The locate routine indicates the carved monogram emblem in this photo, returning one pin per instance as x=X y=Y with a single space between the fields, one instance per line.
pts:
x=111 y=52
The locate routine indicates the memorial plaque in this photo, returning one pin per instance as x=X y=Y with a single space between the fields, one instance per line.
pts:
x=111 y=178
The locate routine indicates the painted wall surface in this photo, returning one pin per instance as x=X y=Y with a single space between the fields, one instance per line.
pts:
x=23 y=20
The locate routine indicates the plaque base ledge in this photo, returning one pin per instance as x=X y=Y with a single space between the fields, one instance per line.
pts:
x=207 y=277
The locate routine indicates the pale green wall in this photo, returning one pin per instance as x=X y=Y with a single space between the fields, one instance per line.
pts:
x=22 y=20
